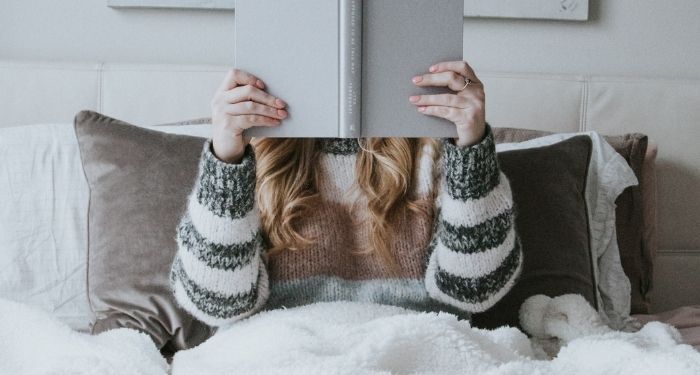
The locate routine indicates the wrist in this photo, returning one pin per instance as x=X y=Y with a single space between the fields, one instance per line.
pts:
x=471 y=139
x=218 y=179
x=227 y=154
x=471 y=172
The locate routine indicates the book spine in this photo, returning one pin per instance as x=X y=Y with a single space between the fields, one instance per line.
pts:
x=350 y=75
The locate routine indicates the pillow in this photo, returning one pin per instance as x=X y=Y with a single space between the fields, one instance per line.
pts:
x=549 y=196
x=650 y=221
x=609 y=175
x=635 y=245
x=139 y=180
x=629 y=221
x=43 y=234
x=43 y=224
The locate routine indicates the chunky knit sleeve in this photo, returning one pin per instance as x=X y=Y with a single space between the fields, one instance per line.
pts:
x=218 y=274
x=476 y=256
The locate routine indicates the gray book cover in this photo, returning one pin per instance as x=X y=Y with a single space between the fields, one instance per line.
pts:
x=345 y=66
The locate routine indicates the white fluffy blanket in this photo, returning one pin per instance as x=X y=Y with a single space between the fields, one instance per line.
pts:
x=357 y=338
x=32 y=342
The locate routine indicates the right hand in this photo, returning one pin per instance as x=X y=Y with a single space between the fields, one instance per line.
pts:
x=240 y=103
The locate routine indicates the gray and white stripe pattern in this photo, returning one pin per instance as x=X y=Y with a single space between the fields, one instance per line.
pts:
x=476 y=255
x=219 y=274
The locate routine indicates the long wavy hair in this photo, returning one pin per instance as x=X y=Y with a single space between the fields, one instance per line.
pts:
x=287 y=186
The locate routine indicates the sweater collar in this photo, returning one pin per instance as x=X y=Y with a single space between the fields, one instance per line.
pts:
x=339 y=146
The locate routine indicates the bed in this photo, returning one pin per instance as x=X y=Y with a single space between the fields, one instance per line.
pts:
x=663 y=210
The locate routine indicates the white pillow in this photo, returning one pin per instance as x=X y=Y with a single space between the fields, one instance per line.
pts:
x=608 y=175
x=43 y=218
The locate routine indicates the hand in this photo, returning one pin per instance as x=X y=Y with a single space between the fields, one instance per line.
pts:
x=240 y=103
x=466 y=108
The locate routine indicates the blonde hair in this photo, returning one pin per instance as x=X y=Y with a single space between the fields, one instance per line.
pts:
x=385 y=169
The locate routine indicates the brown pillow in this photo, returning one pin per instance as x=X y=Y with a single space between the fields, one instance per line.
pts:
x=635 y=253
x=549 y=195
x=636 y=246
x=649 y=188
x=139 y=181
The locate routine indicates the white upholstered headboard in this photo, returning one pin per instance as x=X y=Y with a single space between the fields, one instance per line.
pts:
x=668 y=111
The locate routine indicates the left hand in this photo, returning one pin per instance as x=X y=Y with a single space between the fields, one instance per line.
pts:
x=466 y=108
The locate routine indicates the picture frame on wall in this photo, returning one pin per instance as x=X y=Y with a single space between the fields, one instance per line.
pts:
x=572 y=10
x=177 y=4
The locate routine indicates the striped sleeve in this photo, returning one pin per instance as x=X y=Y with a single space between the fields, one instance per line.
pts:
x=218 y=274
x=476 y=256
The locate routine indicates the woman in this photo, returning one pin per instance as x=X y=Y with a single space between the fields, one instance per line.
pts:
x=420 y=223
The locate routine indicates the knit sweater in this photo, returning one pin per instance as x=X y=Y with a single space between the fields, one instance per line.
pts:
x=462 y=260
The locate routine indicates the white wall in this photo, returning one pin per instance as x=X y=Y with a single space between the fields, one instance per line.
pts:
x=623 y=37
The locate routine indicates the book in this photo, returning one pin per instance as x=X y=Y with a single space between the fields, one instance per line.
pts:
x=344 y=67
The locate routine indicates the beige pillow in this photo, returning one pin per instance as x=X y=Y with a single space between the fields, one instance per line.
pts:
x=139 y=180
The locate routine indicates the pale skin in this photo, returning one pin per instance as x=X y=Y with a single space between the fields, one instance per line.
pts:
x=241 y=102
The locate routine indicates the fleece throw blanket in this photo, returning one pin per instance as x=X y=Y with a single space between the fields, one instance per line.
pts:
x=357 y=338
x=567 y=337
x=32 y=342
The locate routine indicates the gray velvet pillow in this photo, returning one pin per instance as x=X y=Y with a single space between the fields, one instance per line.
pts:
x=548 y=185
x=139 y=180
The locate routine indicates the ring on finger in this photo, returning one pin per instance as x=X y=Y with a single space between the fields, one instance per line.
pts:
x=467 y=83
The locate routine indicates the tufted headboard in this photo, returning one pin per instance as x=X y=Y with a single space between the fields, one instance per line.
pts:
x=666 y=110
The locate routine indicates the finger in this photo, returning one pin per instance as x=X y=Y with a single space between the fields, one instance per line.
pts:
x=251 y=93
x=446 y=100
x=454 y=81
x=249 y=121
x=253 y=108
x=448 y=113
x=460 y=67
x=237 y=77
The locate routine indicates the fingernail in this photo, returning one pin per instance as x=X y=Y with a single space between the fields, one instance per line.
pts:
x=422 y=109
x=433 y=68
x=282 y=113
x=280 y=102
x=260 y=84
x=417 y=79
x=414 y=99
